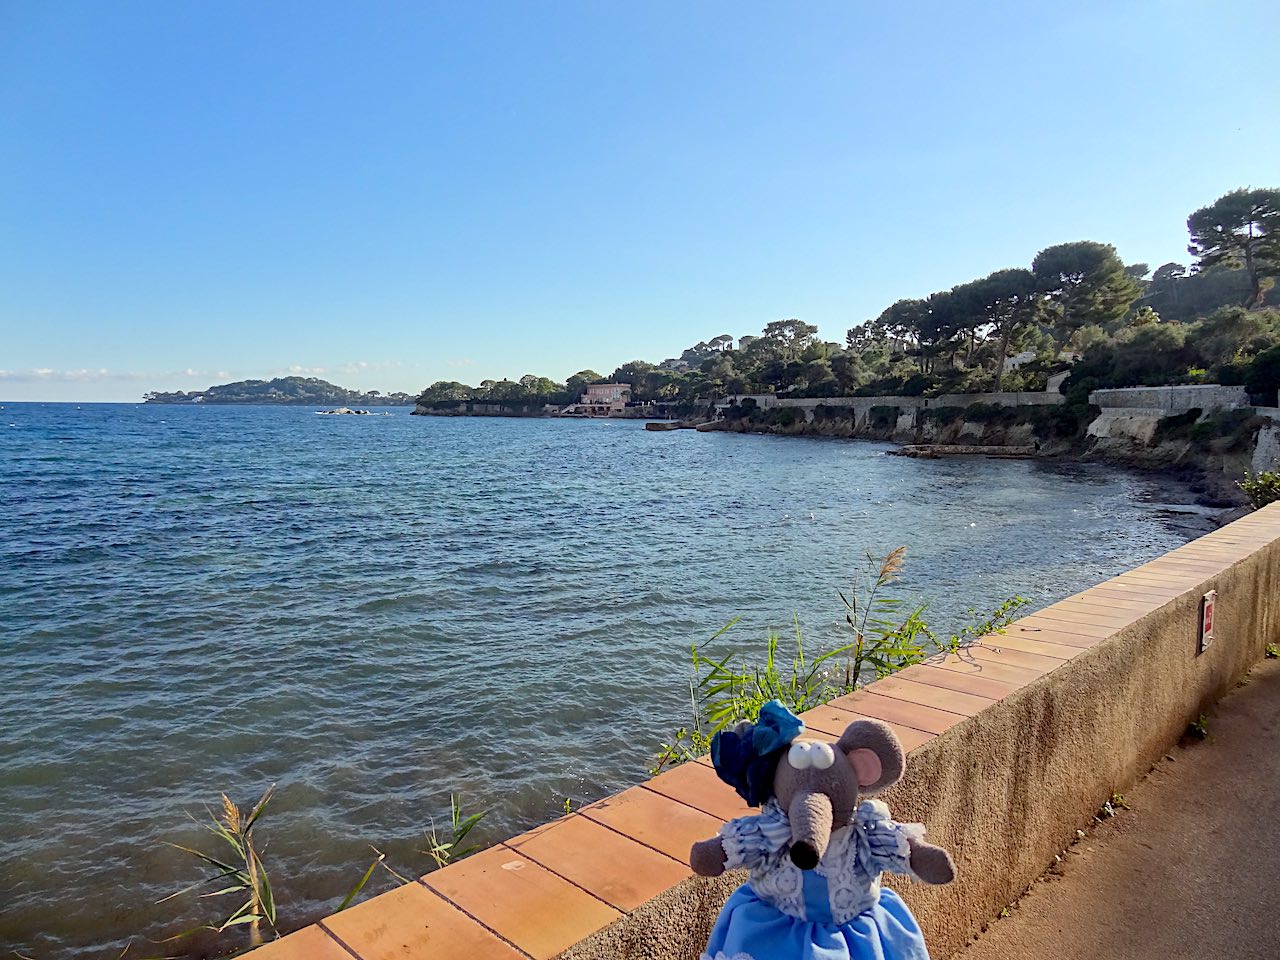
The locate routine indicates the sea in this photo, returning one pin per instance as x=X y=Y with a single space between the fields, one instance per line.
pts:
x=381 y=613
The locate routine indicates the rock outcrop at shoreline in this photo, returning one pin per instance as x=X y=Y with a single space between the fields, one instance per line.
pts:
x=932 y=451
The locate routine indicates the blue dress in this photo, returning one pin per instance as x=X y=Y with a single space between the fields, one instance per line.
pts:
x=837 y=911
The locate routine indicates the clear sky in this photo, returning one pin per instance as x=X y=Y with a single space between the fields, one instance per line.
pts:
x=388 y=194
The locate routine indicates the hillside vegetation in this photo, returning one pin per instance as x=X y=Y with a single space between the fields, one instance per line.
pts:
x=1126 y=324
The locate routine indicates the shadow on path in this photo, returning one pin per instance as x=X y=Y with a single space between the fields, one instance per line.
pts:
x=1191 y=872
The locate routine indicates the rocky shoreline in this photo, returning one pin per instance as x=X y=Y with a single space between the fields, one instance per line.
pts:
x=1199 y=476
x=1201 y=457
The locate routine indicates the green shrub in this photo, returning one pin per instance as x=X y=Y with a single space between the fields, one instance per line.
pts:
x=978 y=380
x=776 y=416
x=1234 y=373
x=882 y=418
x=740 y=411
x=1261 y=488
x=1028 y=379
x=899 y=385
x=1227 y=430
x=1263 y=377
x=1201 y=433
x=1060 y=421
x=1077 y=390
x=825 y=411
x=1223 y=430
x=990 y=413
x=916 y=385
x=1178 y=427
x=943 y=415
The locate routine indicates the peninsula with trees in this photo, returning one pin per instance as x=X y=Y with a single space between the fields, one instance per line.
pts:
x=289 y=391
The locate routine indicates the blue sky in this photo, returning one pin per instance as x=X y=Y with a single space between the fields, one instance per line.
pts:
x=390 y=194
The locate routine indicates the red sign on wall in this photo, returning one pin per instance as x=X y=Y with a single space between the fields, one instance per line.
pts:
x=1206 y=619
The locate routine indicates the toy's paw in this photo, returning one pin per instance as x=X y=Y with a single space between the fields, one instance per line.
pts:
x=932 y=864
x=707 y=858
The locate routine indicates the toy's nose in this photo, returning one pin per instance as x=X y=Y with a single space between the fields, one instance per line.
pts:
x=804 y=856
x=810 y=816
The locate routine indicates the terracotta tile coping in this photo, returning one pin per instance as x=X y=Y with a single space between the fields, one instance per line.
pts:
x=526 y=905
x=535 y=895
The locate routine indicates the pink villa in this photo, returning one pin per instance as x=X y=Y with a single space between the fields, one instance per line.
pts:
x=600 y=400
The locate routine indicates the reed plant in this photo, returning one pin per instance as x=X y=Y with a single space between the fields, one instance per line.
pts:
x=239 y=865
x=444 y=852
x=237 y=862
x=886 y=634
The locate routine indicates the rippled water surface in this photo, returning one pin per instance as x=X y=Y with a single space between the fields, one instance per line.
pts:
x=378 y=611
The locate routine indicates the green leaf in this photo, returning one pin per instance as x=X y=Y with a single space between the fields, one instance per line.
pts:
x=245 y=918
x=355 y=891
x=188 y=932
x=203 y=856
x=200 y=883
x=259 y=808
x=238 y=888
x=266 y=900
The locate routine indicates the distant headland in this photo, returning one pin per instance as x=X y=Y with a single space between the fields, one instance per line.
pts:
x=288 y=391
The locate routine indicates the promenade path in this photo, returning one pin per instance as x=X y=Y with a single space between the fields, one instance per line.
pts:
x=1191 y=872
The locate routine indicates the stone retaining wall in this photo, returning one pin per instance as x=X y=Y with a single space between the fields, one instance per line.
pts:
x=1166 y=401
x=1015 y=743
x=862 y=405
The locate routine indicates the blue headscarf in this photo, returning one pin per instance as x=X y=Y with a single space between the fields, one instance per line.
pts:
x=746 y=756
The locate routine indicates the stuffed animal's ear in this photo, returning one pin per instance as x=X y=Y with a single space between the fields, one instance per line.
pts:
x=873 y=751
x=866 y=764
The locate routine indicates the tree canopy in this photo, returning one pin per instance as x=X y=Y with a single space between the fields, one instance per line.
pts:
x=1086 y=283
x=1240 y=229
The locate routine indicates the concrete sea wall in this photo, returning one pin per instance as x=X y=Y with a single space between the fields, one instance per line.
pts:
x=861 y=407
x=1167 y=401
x=1134 y=413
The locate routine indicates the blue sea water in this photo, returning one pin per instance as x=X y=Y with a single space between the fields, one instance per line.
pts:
x=379 y=612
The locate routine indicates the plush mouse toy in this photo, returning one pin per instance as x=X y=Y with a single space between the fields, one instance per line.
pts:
x=814 y=851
